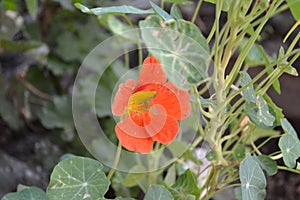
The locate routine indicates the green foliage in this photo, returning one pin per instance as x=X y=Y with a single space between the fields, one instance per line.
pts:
x=183 y=65
x=77 y=178
x=268 y=165
x=158 y=192
x=239 y=152
x=252 y=179
x=32 y=6
x=27 y=193
x=248 y=92
x=294 y=6
x=175 y=12
x=163 y=14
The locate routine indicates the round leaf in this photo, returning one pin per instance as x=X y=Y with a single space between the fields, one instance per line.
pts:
x=158 y=192
x=31 y=193
x=290 y=148
x=267 y=164
x=77 y=178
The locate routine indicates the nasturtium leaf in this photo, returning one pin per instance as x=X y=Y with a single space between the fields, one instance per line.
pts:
x=187 y=184
x=180 y=47
x=178 y=1
x=263 y=113
x=28 y=193
x=255 y=57
x=253 y=180
x=211 y=155
x=158 y=192
x=175 y=12
x=239 y=152
x=252 y=112
x=294 y=6
x=273 y=107
x=268 y=165
x=112 y=9
x=225 y=6
x=163 y=14
x=77 y=178
x=58 y=114
x=32 y=7
x=288 y=128
x=249 y=93
x=171 y=175
x=238 y=193
x=290 y=148
x=289 y=69
x=134 y=176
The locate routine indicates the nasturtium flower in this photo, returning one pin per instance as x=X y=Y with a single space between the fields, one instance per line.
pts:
x=149 y=110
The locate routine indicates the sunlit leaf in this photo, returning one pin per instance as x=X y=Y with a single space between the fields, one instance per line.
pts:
x=180 y=47
x=134 y=176
x=27 y=193
x=163 y=14
x=239 y=152
x=294 y=6
x=77 y=178
x=32 y=6
x=112 y=9
x=290 y=148
x=253 y=180
x=263 y=114
x=268 y=165
x=175 y=12
x=249 y=93
x=158 y=192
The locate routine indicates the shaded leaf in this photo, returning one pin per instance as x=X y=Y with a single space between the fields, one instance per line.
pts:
x=249 y=93
x=77 y=178
x=253 y=180
x=163 y=14
x=288 y=128
x=112 y=9
x=290 y=148
x=158 y=192
x=180 y=47
x=268 y=165
x=225 y=6
x=171 y=175
x=134 y=176
x=211 y=155
x=238 y=193
x=27 y=193
x=263 y=114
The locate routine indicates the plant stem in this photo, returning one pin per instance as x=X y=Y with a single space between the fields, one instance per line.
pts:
x=196 y=11
x=116 y=161
x=289 y=169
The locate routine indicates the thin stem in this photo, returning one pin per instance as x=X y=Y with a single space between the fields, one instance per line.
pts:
x=288 y=169
x=277 y=157
x=116 y=161
x=196 y=11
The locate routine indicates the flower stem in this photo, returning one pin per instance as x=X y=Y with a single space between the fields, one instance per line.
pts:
x=116 y=161
x=196 y=11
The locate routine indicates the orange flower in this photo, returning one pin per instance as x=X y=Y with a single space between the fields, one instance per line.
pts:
x=150 y=109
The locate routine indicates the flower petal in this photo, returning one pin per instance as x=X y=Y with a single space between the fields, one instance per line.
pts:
x=176 y=101
x=156 y=121
x=130 y=127
x=141 y=145
x=169 y=131
x=151 y=72
x=122 y=96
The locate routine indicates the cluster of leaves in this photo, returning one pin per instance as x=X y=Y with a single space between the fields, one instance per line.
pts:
x=44 y=95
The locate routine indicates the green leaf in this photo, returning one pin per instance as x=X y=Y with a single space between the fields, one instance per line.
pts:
x=239 y=152
x=294 y=6
x=163 y=14
x=171 y=175
x=32 y=6
x=292 y=71
x=249 y=93
x=180 y=47
x=290 y=148
x=225 y=6
x=118 y=28
x=134 y=176
x=28 y=193
x=187 y=184
x=158 y=192
x=112 y=9
x=268 y=165
x=178 y=1
x=17 y=46
x=175 y=12
x=288 y=128
x=263 y=114
x=238 y=193
x=211 y=155
x=58 y=114
x=256 y=55
x=77 y=178
x=274 y=108
x=253 y=180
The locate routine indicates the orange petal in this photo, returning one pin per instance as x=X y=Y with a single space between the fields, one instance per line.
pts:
x=156 y=121
x=151 y=72
x=141 y=145
x=176 y=101
x=169 y=131
x=131 y=128
x=122 y=96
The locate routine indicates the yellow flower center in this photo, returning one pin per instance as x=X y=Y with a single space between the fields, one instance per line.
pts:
x=139 y=101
